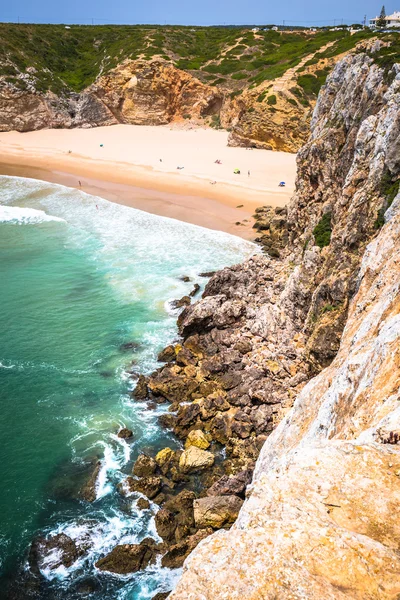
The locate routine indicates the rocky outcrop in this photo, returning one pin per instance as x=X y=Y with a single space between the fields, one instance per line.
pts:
x=150 y=93
x=320 y=518
x=276 y=115
x=135 y=92
x=28 y=110
x=129 y=558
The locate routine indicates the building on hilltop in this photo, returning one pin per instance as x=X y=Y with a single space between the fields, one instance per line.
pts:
x=390 y=20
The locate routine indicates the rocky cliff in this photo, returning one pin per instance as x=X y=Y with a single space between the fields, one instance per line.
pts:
x=82 y=82
x=136 y=92
x=319 y=517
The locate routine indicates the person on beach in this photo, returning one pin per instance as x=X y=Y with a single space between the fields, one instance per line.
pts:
x=80 y=185
x=248 y=173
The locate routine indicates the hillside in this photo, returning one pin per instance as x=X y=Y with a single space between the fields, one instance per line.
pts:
x=266 y=80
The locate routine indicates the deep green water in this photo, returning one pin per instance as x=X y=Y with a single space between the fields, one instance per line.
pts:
x=72 y=292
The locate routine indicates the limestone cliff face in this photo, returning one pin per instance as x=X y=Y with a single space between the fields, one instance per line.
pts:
x=152 y=93
x=136 y=92
x=319 y=521
x=28 y=111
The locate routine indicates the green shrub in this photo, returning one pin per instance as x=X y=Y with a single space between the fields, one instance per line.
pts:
x=328 y=308
x=239 y=76
x=389 y=188
x=262 y=96
x=216 y=122
x=323 y=231
x=271 y=100
x=380 y=218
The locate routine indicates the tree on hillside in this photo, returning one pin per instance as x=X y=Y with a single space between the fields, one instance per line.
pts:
x=381 y=22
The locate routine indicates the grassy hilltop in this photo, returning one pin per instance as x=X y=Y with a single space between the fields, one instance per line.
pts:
x=64 y=60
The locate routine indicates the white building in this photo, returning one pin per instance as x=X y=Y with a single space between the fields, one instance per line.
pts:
x=390 y=20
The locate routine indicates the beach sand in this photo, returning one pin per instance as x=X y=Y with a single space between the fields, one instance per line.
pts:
x=137 y=166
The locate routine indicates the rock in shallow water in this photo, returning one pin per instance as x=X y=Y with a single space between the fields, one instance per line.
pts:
x=125 y=433
x=54 y=551
x=129 y=558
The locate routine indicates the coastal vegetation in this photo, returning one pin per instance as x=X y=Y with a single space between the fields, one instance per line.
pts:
x=323 y=231
x=60 y=59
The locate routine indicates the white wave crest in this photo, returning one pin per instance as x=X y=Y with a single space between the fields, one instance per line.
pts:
x=25 y=216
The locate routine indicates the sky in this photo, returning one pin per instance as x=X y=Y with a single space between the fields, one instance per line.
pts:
x=192 y=12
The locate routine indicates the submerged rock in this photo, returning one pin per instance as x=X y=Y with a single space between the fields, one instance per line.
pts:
x=89 y=490
x=53 y=552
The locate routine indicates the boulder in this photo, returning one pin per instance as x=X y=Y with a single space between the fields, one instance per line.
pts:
x=197 y=438
x=145 y=466
x=216 y=511
x=164 y=459
x=181 y=506
x=125 y=433
x=167 y=354
x=148 y=486
x=195 y=290
x=184 y=301
x=231 y=485
x=175 y=556
x=171 y=383
x=129 y=558
x=143 y=504
x=195 y=459
x=165 y=524
x=140 y=392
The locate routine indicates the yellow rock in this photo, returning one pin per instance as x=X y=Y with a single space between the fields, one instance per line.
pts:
x=198 y=439
x=195 y=459
x=164 y=456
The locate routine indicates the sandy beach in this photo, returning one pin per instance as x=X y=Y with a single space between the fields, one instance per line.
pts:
x=137 y=166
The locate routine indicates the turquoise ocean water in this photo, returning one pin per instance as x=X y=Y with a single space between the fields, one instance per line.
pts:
x=81 y=278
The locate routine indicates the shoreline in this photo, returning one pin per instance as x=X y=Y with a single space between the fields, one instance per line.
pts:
x=227 y=205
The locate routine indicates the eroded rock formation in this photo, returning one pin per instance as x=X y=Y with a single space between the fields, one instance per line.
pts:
x=135 y=92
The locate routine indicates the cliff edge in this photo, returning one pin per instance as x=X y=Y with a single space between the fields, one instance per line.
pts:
x=319 y=519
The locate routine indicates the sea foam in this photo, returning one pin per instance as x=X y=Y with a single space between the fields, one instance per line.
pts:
x=25 y=216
